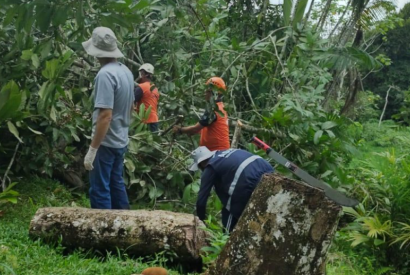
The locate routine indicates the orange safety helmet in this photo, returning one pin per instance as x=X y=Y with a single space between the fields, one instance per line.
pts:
x=217 y=82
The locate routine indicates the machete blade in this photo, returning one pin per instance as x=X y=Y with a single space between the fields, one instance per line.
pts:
x=331 y=193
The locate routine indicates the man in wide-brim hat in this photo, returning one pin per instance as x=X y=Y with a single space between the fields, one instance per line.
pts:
x=113 y=104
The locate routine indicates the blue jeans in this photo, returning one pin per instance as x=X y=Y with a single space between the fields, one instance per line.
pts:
x=107 y=190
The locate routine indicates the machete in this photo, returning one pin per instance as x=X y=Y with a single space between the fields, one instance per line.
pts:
x=331 y=193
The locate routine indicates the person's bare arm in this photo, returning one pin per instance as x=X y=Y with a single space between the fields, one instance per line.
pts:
x=102 y=126
x=189 y=130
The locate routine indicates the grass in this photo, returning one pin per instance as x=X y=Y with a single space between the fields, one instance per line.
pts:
x=392 y=141
x=23 y=256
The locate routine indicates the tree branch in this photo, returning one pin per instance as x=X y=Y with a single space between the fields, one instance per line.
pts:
x=4 y=184
x=236 y=134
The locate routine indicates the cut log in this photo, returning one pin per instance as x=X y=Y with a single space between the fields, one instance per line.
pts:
x=139 y=232
x=286 y=228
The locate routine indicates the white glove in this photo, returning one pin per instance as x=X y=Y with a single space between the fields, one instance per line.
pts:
x=89 y=158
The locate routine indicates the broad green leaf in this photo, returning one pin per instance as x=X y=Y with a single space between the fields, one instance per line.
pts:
x=155 y=192
x=42 y=91
x=187 y=194
x=147 y=113
x=217 y=203
x=35 y=60
x=378 y=242
x=358 y=239
x=44 y=12
x=141 y=111
x=10 y=187
x=328 y=125
x=10 y=100
x=130 y=165
x=10 y=15
x=7 y=91
x=162 y=22
x=50 y=72
x=34 y=131
x=45 y=49
x=330 y=133
x=59 y=17
x=26 y=54
x=53 y=114
x=140 y=128
x=287 y=10
x=294 y=137
x=74 y=135
x=317 y=136
x=299 y=11
x=14 y=130
x=327 y=173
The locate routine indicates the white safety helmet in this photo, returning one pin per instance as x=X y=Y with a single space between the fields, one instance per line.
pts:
x=147 y=67
x=199 y=155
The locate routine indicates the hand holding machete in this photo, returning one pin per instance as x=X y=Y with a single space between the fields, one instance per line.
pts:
x=179 y=120
x=331 y=193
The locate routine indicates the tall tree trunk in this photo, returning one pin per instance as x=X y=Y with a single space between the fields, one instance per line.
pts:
x=308 y=13
x=340 y=19
x=286 y=228
x=324 y=15
x=385 y=106
x=352 y=92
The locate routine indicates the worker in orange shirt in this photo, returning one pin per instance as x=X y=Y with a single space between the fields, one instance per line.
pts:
x=146 y=93
x=213 y=124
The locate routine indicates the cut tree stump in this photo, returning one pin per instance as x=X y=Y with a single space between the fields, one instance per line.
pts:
x=139 y=232
x=286 y=229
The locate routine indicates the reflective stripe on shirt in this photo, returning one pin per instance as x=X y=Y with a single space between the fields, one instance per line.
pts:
x=238 y=173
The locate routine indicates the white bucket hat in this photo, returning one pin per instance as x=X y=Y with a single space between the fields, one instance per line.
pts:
x=199 y=155
x=147 y=67
x=102 y=43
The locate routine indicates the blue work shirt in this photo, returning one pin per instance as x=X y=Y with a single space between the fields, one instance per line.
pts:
x=235 y=174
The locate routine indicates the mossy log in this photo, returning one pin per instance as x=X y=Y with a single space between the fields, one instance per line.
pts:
x=286 y=228
x=139 y=232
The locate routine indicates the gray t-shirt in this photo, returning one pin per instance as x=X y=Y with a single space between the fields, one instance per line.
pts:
x=114 y=89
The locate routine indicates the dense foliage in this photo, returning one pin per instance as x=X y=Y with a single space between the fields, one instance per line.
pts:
x=295 y=72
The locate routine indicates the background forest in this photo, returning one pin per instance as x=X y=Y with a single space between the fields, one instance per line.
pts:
x=325 y=82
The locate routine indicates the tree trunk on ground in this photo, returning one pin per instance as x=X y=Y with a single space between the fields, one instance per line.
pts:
x=286 y=228
x=139 y=232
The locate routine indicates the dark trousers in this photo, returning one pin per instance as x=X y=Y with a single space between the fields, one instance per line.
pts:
x=153 y=127
x=107 y=190
x=228 y=220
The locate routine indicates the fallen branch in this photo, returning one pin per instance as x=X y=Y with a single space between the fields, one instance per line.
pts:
x=236 y=134
x=249 y=93
x=132 y=62
x=385 y=104
x=255 y=129
x=250 y=48
x=3 y=183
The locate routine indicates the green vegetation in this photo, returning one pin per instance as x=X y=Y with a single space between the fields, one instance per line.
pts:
x=376 y=237
x=311 y=79
x=21 y=255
